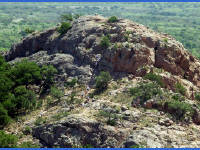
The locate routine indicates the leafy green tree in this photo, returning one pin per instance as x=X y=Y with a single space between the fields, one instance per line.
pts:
x=25 y=72
x=6 y=85
x=4 y=66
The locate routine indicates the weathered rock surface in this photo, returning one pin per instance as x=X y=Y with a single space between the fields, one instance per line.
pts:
x=135 y=50
x=79 y=131
x=133 y=47
x=64 y=63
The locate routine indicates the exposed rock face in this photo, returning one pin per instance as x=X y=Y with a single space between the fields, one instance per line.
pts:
x=133 y=47
x=76 y=131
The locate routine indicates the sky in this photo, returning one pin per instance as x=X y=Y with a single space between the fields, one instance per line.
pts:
x=99 y=0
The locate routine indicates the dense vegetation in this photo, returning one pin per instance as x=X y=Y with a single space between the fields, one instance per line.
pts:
x=15 y=94
x=181 y=20
x=10 y=141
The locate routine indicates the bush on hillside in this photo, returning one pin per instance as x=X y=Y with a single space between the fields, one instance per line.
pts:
x=66 y=17
x=4 y=118
x=56 y=93
x=65 y=26
x=25 y=99
x=197 y=96
x=25 y=72
x=15 y=97
x=146 y=91
x=180 y=88
x=154 y=77
x=102 y=81
x=7 y=140
x=6 y=85
x=179 y=109
x=28 y=145
x=112 y=19
x=47 y=73
x=71 y=83
x=105 y=42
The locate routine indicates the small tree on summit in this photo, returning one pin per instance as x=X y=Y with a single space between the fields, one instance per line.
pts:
x=65 y=26
x=66 y=17
x=112 y=19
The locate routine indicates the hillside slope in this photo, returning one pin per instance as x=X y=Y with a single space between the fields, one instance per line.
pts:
x=129 y=51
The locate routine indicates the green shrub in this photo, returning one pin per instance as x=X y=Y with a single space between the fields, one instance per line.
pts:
x=27 y=130
x=137 y=146
x=6 y=85
x=4 y=118
x=66 y=17
x=179 y=88
x=65 y=26
x=25 y=72
x=56 y=93
x=126 y=37
x=29 y=31
x=60 y=115
x=165 y=40
x=25 y=99
x=154 y=77
x=39 y=121
x=15 y=98
x=28 y=145
x=47 y=73
x=112 y=19
x=110 y=117
x=7 y=140
x=102 y=81
x=178 y=97
x=111 y=122
x=88 y=146
x=145 y=91
x=72 y=97
x=10 y=104
x=71 y=83
x=179 y=109
x=76 y=16
x=197 y=96
x=105 y=42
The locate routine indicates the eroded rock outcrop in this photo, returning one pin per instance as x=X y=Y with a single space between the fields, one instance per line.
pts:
x=77 y=131
x=133 y=47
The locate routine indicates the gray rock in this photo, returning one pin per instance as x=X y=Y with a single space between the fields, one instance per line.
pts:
x=76 y=130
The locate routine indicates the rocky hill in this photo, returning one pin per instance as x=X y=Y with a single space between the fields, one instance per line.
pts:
x=129 y=51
